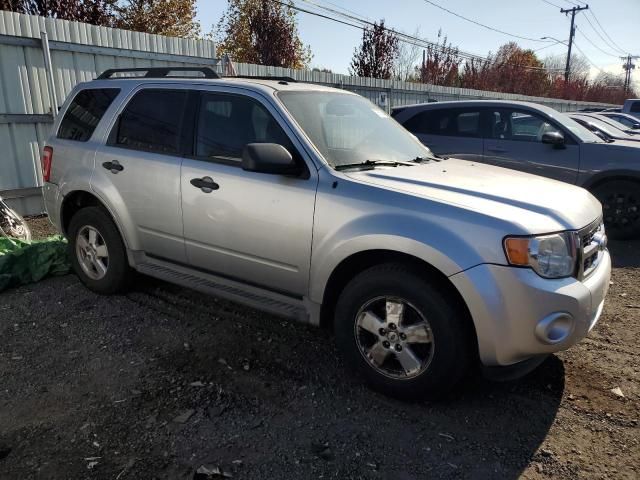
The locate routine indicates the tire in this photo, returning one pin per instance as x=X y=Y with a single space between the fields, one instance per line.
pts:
x=621 y=208
x=117 y=274
x=442 y=349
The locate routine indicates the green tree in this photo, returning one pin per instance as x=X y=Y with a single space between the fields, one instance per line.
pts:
x=263 y=32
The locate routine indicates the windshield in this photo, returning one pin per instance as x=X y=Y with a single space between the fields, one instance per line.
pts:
x=583 y=133
x=349 y=129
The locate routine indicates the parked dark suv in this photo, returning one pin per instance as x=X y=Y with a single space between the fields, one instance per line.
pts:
x=535 y=139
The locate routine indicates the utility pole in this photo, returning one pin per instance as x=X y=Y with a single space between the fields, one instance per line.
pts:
x=572 y=32
x=628 y=66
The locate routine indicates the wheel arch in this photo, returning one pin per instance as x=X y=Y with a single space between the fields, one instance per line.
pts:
x=76 y=200
x=356 y=263
x=611 y=176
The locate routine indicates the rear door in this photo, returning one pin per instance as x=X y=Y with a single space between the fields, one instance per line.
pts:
x=138 y=169
x=253 y=227
x=514 y=140
x=451 y=131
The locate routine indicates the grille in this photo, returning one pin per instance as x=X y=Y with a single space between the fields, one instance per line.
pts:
x=589 y=248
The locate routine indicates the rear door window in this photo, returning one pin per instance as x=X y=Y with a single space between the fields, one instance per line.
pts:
x=152 y=121
x=84 y=113
x=451 y=122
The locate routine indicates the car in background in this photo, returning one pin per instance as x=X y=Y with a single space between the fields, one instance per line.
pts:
x=627 y=120
x=604 y=130
x=632 y=107
x=535 y=139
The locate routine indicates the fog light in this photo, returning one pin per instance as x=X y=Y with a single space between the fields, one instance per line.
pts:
x=555 y=328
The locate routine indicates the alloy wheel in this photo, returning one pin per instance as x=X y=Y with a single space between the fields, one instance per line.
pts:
x=394 y=337
x=92 y=252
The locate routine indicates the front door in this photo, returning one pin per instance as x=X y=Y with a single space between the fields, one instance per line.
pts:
x=514 y=140
x=253 y=227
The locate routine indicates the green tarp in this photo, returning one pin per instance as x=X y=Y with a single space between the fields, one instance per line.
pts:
x=25 y=262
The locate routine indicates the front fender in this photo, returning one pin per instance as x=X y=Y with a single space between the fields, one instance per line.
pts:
x=428 y=240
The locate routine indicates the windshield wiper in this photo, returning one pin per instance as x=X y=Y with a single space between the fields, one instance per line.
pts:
x=371 y=164
x=427 y=158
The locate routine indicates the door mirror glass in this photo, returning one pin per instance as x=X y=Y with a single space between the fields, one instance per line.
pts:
x=269 y=158
x=553 y=138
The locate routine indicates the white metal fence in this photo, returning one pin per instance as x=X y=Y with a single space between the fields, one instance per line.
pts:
x=31 y=88
x=398 y=93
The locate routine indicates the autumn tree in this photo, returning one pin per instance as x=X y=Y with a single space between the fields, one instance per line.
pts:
x=441 y=63
x=377 y=54
x=95 y=12
x=262 y=32
x=174 y=18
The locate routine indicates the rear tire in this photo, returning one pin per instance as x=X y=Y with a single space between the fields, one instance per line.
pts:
x=97 y=252
x=422 y=353
x=621 y=208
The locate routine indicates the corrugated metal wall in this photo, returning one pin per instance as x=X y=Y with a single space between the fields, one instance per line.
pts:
x=79 y=52
x=405 y=93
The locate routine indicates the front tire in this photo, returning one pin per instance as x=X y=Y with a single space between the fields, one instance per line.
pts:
x=407 y=336
x=98 y=255
x=620 y=208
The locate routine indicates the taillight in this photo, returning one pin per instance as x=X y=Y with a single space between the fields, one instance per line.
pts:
x=47 y=159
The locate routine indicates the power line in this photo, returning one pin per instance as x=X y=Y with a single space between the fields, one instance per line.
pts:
x=589 y=40
x=482 y=24
x=605 y=32
x=601 y=37
x=552 y=4
x=403 y=37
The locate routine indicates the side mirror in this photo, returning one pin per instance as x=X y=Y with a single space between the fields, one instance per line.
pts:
x=553 y=138
x=269 y=158
x=635 y=126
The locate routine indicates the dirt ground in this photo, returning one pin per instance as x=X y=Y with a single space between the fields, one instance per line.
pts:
x=162 y=380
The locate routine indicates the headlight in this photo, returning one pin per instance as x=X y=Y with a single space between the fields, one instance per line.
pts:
x=550 y=256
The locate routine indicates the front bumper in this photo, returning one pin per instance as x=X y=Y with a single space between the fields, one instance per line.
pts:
x=512 y=307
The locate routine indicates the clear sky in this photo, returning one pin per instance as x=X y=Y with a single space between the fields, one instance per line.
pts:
x=332 y=44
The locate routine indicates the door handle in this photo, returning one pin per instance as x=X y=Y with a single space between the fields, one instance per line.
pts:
x=206 y=184
x=497 y=150
x=114 y=166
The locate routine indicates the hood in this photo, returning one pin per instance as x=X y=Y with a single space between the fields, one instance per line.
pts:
x=533 y=204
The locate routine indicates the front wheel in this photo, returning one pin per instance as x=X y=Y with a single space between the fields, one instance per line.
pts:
x=406 y=336
x=620 y=208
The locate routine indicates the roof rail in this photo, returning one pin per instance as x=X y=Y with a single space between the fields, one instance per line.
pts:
x=266 y=77
x=160 y=72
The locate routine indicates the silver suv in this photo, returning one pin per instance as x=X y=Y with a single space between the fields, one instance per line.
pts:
x=312 y=203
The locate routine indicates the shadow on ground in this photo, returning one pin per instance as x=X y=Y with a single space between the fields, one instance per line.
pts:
x=162 y=380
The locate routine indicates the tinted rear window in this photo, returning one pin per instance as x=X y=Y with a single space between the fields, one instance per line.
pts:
x=453 y=122
x=152 y=121
x=84 y=113
x=635 y=107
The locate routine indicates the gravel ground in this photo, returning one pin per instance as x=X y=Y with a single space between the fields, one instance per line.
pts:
x=162 y=380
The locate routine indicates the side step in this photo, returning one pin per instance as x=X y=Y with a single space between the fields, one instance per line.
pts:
x=250 y=296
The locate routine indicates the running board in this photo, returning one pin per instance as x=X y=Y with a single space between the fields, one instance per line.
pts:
x=250 y=296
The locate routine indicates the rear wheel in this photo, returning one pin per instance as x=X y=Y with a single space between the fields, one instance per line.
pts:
x=97 y=252
x=621 y=208
x=405 y=335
